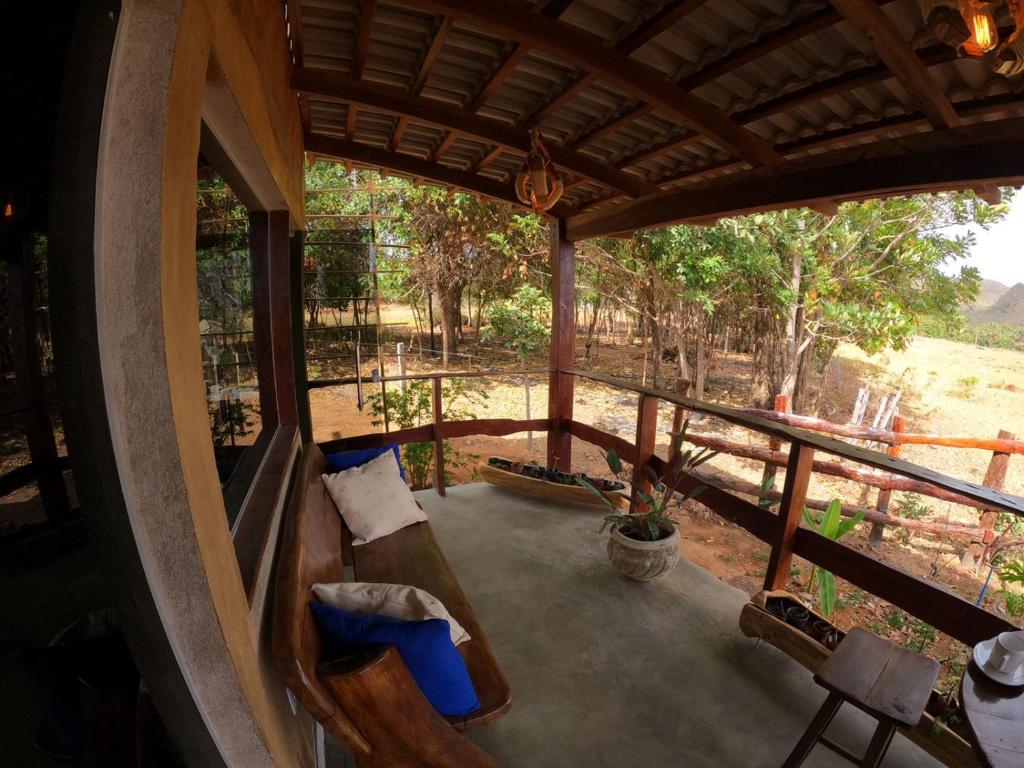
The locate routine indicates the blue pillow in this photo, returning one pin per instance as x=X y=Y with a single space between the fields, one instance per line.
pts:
x=425 y=647
x=338 y=462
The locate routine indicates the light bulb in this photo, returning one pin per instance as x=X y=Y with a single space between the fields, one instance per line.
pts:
x=982 y=25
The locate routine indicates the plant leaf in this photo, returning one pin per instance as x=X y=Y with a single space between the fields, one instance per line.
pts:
x=614 y=462
x=826 y=592
x=849 y=524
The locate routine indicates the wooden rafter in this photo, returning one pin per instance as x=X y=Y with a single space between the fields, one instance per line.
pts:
x=579 y=49
x=847 y=81
x=363 y=37
x=957 y=158
x=551 y=9
x=899 y=57
x=364 y=154
x=422 y=75
x=431 y=56
x=807 y=25
x=670 y=13
x=397 y=102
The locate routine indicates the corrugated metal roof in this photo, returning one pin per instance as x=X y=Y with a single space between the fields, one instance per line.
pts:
x=828 y=81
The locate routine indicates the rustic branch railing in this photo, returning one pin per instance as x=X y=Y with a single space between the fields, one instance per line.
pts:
x=929 y=602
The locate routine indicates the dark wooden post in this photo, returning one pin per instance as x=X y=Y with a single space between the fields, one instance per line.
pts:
x=774 y=444
x=563 y=347
x=995 y=477
x=791 y=511
x=899 y=425
x=439 y=484
x=32 y=400
x=272 y=317
x=298 y=307
x=646 y=434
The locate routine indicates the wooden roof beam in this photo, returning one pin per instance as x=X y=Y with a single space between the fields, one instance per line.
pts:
x=670 y=13
x=431 y=56
x=364 y=154
x=972 y=156
x=581 y=50
x=802 y=27
x=900 y=58
x=396 y=102
x=551 y=9
x=363 y=37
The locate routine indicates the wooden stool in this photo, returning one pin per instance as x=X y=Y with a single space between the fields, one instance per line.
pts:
x=888 y=682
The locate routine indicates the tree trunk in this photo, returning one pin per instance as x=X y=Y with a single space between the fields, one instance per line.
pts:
x=701 y=363
x=451 y=318
x=803 y=399
x=593 y=325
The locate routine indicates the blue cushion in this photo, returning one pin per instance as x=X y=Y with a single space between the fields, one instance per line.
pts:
x=425 y=647
x=338 y=462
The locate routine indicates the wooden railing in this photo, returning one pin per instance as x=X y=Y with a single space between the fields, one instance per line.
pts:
x=927 y=601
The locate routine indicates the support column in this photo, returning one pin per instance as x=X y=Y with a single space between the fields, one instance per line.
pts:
x=791 y=512
x=298 y=317
x=270 y=251
x=32 y=398
x=563 y=346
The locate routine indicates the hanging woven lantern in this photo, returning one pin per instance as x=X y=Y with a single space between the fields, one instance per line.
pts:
x=537 y=184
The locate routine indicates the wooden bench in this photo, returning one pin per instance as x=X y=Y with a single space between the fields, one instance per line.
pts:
x=368 y=701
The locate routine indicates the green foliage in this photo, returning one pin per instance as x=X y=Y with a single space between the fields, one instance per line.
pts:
x=1012 y=573
x=896 y=619
x=230 y=420
x=413 y=407
x=650 y=524
x=522 y=322
x=912 y=507
x=832 y=526
x=922 y=636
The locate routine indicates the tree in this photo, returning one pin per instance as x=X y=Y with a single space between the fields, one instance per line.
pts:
x=449 y=233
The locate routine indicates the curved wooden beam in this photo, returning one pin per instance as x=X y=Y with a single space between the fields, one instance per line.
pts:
x=365 y=154
x=397 y=102
x=957 y=158
x=580 y=49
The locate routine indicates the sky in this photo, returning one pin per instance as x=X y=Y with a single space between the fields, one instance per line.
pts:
x=998 y=253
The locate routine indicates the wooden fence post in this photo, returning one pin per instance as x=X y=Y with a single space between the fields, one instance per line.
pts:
x=899 y=425
x=791 y=511
x=646 y=435
x=774 y=444
x=439 y=484
x=995 y=477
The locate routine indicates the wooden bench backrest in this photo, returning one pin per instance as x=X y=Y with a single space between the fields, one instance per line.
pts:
x=310 y=553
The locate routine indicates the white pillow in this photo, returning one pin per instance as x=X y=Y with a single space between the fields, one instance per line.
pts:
x=374 y=499
x=396 y=601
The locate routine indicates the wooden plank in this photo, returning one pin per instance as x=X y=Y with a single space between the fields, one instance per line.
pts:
x=394 y=101
x=562 y=351
x=987 y=496
x=578 y=48
x=602 y=439
x=956 y=158
x=646 y=435
x=668 y=15
x=425 y=434
x=298 y=328
x=439 y=482
x=364 y=154
x=899 y=57
x=494 y=427
x=363 y=37
x=995 y=716
x=430 y=57
x=791 y=512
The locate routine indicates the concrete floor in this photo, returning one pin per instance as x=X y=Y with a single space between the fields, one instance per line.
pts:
x=609 y=672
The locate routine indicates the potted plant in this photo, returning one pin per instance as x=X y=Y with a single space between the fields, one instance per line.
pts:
x=644 y=543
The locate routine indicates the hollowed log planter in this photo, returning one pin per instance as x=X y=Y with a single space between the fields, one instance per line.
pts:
x=532 y=486
x=756 y=620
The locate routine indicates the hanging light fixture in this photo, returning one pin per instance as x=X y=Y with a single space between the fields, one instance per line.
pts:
x=982 y=26
x=537 y=184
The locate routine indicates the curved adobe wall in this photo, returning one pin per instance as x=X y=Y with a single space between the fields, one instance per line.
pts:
x=147 y=325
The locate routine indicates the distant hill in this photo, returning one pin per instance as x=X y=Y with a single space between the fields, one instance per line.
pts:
x=989 y=293
x=1008 y=307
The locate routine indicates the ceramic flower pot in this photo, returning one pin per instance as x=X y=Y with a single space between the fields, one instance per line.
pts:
x=643 y=560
